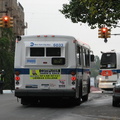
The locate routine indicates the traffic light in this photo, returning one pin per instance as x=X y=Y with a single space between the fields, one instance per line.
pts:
x=1 y=22
x=108 y=34
x=6 y=22
x=100 y=33
x=11 y=22
x=104 y=33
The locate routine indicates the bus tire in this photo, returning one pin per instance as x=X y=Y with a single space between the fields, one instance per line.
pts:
x=115 y=103
x=24 y=101
x=76 y=101
x=80 y=89
x=85 y=98
x=88 y=85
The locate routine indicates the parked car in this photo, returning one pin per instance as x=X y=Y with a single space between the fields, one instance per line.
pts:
x=116 y=95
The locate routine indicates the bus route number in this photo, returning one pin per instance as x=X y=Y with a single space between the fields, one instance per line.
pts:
x=58 y=45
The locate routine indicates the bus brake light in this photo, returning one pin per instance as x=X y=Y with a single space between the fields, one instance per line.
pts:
x=73 y=78
x=17 y=73
x=73 y=73
x=17 y=78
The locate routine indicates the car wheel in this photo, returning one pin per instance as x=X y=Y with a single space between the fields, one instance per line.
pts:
x=115 y=102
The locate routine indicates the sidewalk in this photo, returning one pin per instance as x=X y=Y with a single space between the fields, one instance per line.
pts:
x=8 y=91
x=93 y=88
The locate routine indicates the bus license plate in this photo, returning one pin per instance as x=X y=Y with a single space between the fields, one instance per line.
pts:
x=45 y=86
x=106 y=77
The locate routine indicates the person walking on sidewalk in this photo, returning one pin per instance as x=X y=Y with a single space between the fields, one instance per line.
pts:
x=2 y=75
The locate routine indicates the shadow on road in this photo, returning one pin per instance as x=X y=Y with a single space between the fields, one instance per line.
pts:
x=54 y=104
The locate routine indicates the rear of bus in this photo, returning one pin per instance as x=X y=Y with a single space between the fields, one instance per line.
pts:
x=108 y=71
x=45 y=67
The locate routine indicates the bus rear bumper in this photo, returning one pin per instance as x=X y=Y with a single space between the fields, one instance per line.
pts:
x=44 y=93
x=106 y=85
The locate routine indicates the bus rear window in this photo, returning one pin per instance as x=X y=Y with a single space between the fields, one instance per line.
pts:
x=53 y=52
x=36 y=51
x=108 y=60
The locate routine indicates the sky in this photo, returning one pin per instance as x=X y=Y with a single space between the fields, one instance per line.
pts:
x=43 y=18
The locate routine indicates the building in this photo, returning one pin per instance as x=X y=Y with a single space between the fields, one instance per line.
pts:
x=14 y=9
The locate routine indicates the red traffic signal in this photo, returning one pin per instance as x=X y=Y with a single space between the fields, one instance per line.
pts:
x=104 y=30
x=6 y=22
x=5 y=18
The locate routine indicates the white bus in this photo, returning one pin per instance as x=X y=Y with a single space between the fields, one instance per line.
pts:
x=109 y=70
x=49 y=67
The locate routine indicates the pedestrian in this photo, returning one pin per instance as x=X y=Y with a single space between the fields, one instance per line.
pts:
x=2 y=75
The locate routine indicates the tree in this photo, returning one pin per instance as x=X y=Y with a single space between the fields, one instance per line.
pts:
x=94 y=12
x=7 y=56
x=95 y=67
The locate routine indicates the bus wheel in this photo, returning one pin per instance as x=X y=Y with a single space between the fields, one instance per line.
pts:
x=24 y=101
x=88 y=85
x=85 y=98
x=29 y=101
x=77 y=101
x=114 y=102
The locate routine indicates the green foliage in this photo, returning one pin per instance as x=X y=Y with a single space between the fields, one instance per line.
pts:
x=95 y=67
x=94 y=12
x=7 y=56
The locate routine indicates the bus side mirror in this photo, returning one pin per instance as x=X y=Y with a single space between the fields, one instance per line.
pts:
x=92 y=58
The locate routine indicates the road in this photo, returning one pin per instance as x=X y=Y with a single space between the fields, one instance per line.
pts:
x=98 y=107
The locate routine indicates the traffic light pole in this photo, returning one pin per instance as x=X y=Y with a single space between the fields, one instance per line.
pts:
x=105 y=40
x=115 y=34
x=4 y=12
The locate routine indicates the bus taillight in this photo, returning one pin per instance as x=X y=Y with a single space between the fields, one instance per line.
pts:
x=88 y=72
x=114 y=72
x=117 y=90
x=73 y=78
x=17 y=73
x=17 y=78
x=73 y=73
x=99 y=73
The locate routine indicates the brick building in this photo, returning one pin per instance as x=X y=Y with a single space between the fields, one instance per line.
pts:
x=14 y=9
